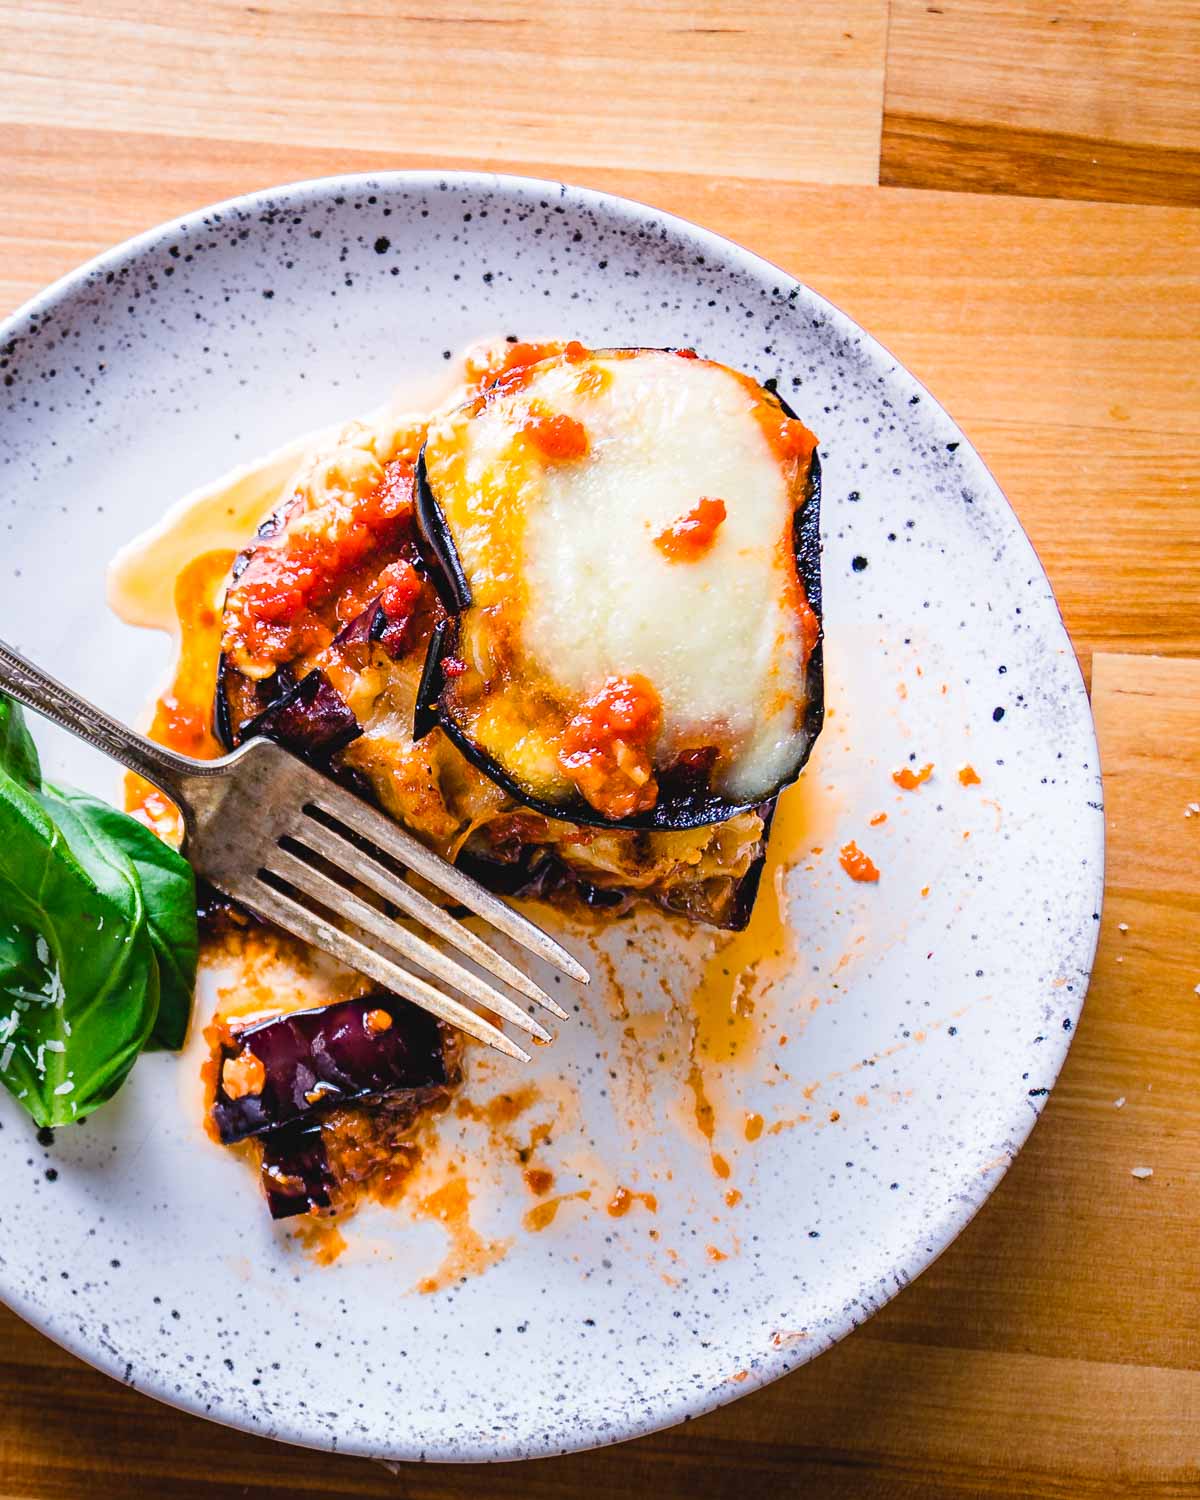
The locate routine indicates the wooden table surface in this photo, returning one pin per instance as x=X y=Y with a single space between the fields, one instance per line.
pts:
x=1007 y=195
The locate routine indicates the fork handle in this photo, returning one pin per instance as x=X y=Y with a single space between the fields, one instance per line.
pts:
x=36 y=689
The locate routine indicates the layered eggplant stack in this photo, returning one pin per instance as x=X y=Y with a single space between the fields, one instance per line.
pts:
x=568 y=632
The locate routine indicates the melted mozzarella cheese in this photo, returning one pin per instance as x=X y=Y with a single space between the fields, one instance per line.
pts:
x=718 y=636
x=568 y=549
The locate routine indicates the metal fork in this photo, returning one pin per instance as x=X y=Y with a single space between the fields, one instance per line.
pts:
x=274 y=834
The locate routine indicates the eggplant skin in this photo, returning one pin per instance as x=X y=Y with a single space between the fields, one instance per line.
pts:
x=687 y=804
x=312 y=1060
x=296 y=1175
x=311 y=719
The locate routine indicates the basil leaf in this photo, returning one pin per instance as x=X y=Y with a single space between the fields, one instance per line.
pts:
x=79 y=986
x=18 y=755
x=169 y=892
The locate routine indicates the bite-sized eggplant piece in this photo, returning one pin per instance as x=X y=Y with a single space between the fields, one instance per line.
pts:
x=297 y=1065
x=373 y=624
x=365 y=627
x=239 y=700
x=312 y=720
x=296 y=1175
x=627 y=543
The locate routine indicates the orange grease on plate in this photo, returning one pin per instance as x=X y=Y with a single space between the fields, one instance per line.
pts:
x=754 y=1127
x=320 y=1238
x=732 y=1198
x=714 y=1254
x=183 y=714
x=968 y=776
x=746 y=964
x=503 y=1109
x=542 y=1215
x=705 y=1119
x=623 y=1200
x=468 y=1253
x=877 y=819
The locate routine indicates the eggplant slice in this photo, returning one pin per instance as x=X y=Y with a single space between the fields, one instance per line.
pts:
x=479 y=670
x=296 y=1066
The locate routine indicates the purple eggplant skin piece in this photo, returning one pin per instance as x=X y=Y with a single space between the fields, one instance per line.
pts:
x=365 y=627
x=313 y=1059
x=438 y=549
x=296 y=1175
x=683 y=802
x=373 y=625
x=265 y=693
x=313 y=720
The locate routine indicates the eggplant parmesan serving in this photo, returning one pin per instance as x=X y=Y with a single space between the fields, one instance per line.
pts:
x=568 y=631
x=565 y=629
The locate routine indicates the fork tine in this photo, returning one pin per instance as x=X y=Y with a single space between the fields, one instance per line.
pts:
x=309 y=928
x=347 y=856
x=315 y=883
x=345 y=808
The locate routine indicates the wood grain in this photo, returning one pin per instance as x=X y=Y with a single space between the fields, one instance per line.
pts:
x=582 y=81
x=1080 y=99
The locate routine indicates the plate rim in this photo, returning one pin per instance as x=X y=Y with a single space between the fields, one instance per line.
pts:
x=941 y=1230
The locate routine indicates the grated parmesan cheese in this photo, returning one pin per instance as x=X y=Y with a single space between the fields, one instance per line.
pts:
x=1141 y=1173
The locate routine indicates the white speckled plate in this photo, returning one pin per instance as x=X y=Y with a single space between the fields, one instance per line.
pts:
x=925 y=1017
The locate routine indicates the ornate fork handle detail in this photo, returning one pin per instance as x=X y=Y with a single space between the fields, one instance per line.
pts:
x=29 y=685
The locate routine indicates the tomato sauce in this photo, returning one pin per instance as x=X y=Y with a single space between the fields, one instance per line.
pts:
x=909 y=779
x=856 y=864
x=275 y=601
x=788 y=437
x=968 y=776
x=555 y=436
x=692 y=535
x=606 y=748
x=493 y=372
x=401 y=588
